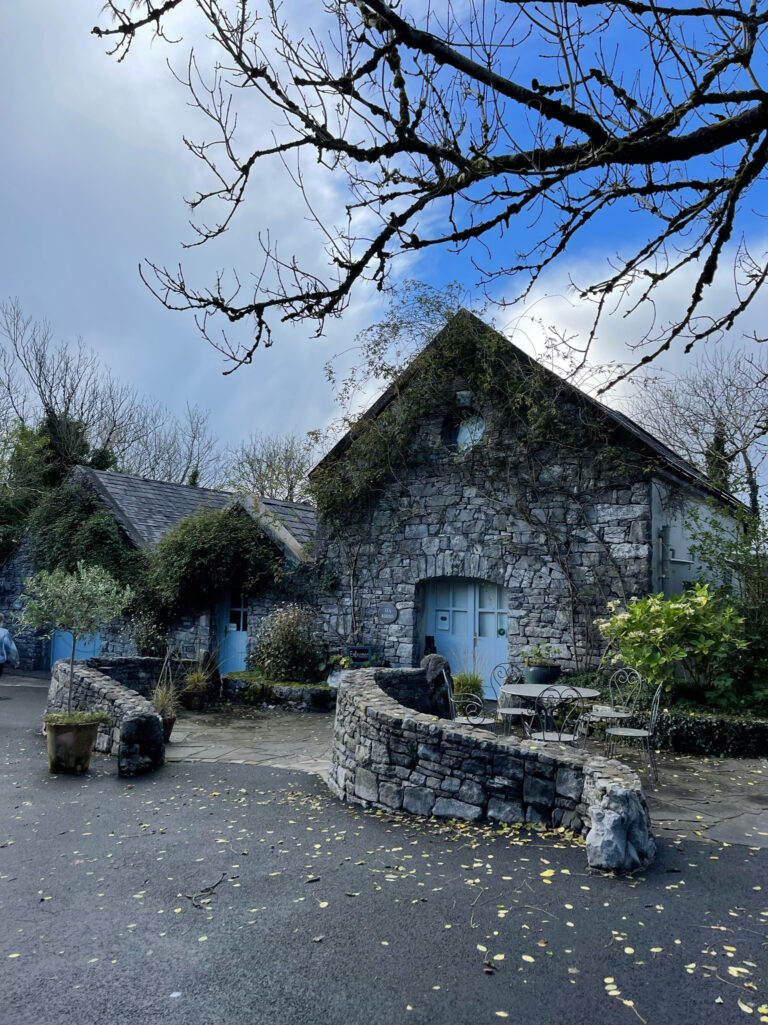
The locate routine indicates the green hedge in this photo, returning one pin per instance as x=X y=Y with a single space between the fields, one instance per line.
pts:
x=717 y=736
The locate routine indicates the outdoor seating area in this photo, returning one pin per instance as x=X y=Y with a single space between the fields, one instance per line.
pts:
x=565 y=713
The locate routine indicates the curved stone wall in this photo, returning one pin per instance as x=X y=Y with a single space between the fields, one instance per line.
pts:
x=135 y=730
x=387 y=755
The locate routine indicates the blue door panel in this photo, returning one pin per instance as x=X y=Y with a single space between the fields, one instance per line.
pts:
x=88 y=646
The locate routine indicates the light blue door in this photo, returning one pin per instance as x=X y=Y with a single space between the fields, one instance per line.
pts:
x=88 y=646
x=468 y=619
x=233 y=634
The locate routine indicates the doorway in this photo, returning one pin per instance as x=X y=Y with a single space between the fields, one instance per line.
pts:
x=468 y=620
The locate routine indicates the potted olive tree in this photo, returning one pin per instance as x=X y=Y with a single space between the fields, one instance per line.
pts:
x=80 y=603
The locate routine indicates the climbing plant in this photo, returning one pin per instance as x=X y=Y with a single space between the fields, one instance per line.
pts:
x=204 y=554
x=69 y=526
x=545 y=450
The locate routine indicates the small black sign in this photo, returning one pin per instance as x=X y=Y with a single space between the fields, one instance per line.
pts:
x=359 y=653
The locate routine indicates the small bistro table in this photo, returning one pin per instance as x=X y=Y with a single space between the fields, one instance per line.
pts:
x=531 y=691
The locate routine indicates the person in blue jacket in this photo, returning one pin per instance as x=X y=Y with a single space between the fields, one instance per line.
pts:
x=8 y=650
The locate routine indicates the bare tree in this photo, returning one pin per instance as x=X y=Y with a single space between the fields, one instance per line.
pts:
x=510 y=127
x=69 y=385
x=272 y=466
x=716 y=415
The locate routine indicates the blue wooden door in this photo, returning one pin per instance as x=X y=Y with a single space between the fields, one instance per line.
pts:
x=88 y=646
x=233 y=634
x=468 y=619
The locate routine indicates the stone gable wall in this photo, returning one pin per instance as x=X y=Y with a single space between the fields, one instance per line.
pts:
x=443 y=517
x=386 y=755
x=135 y=730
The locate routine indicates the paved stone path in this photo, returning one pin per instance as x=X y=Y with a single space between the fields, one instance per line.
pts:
x=724 y=800
x=283 y=740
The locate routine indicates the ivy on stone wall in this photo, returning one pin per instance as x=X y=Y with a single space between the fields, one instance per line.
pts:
x=203 y=555
x=545 y=452
x=70 y=526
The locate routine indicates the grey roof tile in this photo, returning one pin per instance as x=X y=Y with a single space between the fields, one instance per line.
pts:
x=148 y=509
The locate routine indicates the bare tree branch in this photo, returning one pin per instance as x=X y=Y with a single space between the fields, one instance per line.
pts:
x=459 y=125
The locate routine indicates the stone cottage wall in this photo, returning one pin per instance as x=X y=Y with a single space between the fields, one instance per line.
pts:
x=33 y=647
x=444 y=517
x=135 y=730
x=386 y=755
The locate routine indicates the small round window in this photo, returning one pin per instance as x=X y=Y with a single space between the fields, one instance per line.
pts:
x=463 y=431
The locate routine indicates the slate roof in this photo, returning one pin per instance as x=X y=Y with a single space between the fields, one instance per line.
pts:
x=670 y=460
x=147 y=510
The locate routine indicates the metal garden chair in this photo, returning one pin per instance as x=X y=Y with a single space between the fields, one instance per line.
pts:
x=624 y=688
x=469 y=710
x=642 y=736
x=559 y=717
x=506 y=709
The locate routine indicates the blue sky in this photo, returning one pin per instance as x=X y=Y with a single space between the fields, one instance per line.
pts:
x=94 y=175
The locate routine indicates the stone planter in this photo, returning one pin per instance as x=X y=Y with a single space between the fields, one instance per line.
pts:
x=70 y=746
x=542 y=675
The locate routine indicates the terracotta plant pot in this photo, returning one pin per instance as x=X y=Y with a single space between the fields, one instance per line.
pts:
x=70 y=746
x=168 y=721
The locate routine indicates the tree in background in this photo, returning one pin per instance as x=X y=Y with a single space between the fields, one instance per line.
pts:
x=272 y=466
x=89 y=417
x=510 y=128
x=716 y=415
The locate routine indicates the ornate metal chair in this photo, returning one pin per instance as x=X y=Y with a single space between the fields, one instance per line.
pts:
x=507 y=709
x=559 y=717
x=624 y=689
x=642 y=736
x=470 y=710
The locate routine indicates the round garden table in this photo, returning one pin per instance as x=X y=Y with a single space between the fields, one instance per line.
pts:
x=531 y=691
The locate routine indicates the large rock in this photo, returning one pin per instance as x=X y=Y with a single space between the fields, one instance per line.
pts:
x=141 y=744
x=620 y=838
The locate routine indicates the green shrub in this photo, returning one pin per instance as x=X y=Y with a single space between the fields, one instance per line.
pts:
x=688 y=643
x=288 y=647
x=468 y=683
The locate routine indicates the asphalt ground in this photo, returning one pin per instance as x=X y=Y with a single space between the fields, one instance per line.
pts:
x=212 y=892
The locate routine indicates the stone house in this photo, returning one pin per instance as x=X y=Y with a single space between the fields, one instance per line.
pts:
x=509 y=508
x=145 y=511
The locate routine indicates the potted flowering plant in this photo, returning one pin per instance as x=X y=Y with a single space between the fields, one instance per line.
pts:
x=79 y=603
x=541 y=665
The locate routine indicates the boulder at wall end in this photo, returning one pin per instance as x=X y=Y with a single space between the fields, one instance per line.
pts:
x=141 y=744
x=620 y=838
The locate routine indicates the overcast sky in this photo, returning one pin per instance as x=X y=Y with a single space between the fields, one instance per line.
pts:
x=94 y=173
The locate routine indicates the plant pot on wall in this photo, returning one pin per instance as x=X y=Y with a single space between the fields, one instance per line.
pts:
x=70 y=741
x=543 y=674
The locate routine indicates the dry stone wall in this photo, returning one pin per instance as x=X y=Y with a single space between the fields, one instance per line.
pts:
x=135 y=730
x=389 y=756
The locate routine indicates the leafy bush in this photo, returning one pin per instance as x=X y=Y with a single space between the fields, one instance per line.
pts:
x=468 y=683
x=736 y=552
x=203 y=555
x=289 y=648
x=687 y=642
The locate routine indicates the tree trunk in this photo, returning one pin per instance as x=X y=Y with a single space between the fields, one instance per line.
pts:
x=71 y=673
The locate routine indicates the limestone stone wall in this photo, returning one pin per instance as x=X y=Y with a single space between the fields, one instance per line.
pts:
x=135 y=730
x=386 y=755
x=34 y=647
x=453 y=515
x=137 y=673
